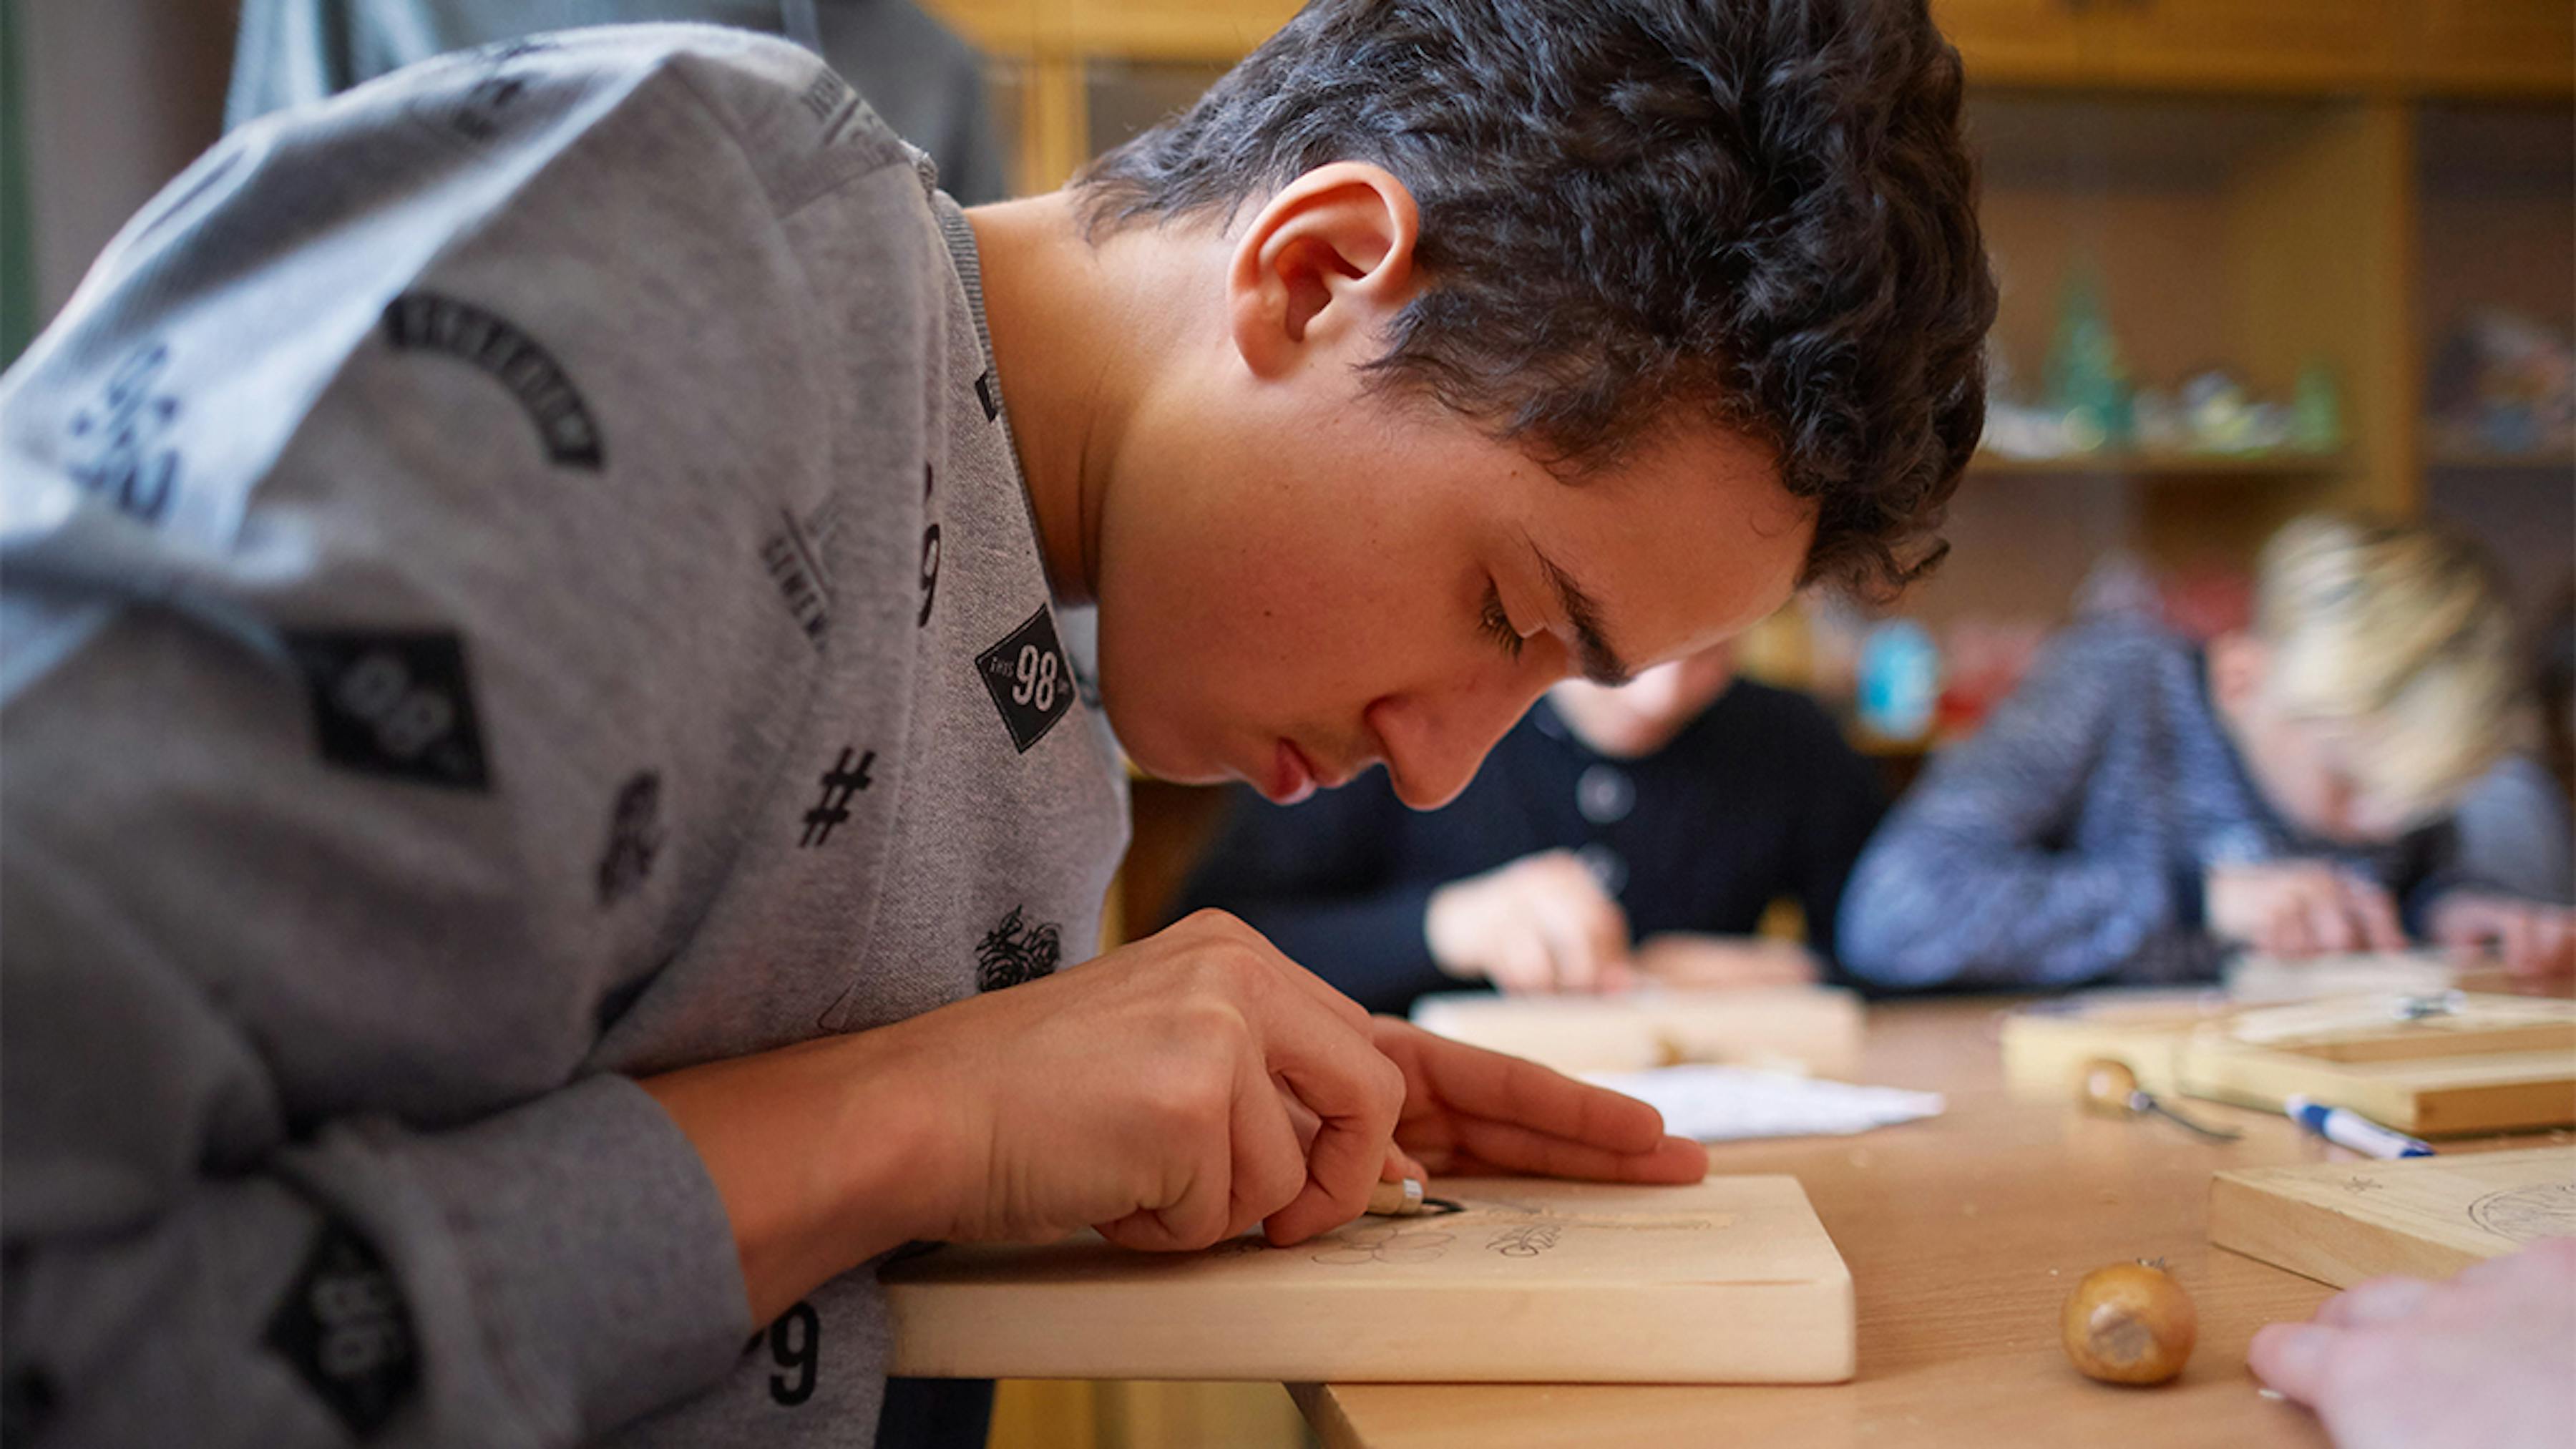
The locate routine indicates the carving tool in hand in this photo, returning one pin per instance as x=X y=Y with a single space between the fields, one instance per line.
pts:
x=1405 y=1200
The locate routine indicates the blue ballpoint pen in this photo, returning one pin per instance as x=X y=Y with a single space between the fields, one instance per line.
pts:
x=2353 y=1130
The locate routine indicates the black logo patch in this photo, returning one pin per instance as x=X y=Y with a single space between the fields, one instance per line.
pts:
x=1014 y=952
x=463 y=330
x=128 y=467
x=1030 y=679
x=634 y=838
x=840 y=782
x=394 y=704
x=984 y=395
x=789 y=557
x=344 y=1327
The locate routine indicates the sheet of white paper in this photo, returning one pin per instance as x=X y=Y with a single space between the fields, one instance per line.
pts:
x=1719 y=1104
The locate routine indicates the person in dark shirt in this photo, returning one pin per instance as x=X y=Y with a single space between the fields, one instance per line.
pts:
x=1670 y=813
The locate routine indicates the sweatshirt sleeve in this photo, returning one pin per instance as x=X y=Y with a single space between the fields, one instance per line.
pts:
x=1319 y=880
x=387 y=678
x=1970 y=879
x=189 y=1263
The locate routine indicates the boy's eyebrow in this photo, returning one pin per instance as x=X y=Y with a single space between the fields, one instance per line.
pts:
x=1601 y=663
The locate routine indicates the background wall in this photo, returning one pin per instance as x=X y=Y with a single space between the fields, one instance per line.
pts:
x=115 y=96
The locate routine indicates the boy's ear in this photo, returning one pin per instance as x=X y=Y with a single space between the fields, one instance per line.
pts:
x=1328 y=262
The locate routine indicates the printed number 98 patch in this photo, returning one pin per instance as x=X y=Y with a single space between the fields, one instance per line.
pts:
x=398 y=704
x=1029 y=678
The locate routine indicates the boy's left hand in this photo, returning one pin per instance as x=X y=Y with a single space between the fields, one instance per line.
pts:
x=1469 y=1111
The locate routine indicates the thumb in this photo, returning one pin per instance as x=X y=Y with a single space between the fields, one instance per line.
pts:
x=2293 y=1357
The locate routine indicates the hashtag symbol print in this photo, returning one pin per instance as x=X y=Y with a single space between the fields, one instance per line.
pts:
x=840 y=782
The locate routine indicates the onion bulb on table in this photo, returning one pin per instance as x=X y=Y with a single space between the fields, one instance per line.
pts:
x=2129 y=1323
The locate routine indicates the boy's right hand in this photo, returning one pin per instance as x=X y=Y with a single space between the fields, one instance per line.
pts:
x=1170 y=1093
x=2301 y=908
x=1540 y=923
x=1148 y=1093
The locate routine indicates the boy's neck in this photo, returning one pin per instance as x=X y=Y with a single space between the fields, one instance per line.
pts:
x=1075 y=338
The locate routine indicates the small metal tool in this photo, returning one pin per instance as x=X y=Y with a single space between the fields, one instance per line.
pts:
x=2108 y=1086
x=2426 y=1007
x=1405 y=1199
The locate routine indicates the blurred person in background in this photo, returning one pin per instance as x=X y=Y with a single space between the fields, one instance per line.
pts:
x=1613 y=834
x=2341 y=776
x=2555 y=675
x=926 y=82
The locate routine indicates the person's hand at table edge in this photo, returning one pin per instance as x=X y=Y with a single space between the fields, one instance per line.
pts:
x=1539 y=924
x=2478 y=1362
x=2534 y=940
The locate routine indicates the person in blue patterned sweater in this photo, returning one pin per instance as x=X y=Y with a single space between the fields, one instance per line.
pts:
x=2342 y=775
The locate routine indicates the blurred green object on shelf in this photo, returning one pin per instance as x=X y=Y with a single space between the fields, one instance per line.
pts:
x=2087 y=385
x=2316 y=409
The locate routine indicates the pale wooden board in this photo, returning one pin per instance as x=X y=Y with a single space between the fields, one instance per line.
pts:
x=2343 y=1222
x=1816 y=1029
x=2366 y=1029
x=2503 y=1064
x=2254 y=979
x=2046 y=1045
x=1731 y=1280
x=2428 y=1097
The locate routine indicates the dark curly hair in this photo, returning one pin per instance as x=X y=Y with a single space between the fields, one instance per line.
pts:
x=1759 y=207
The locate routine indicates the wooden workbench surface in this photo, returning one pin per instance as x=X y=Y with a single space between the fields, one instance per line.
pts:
x=1963 y=1234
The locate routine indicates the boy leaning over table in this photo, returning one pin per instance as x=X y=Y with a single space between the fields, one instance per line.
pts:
x=554 y=759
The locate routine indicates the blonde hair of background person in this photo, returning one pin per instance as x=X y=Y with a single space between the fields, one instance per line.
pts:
x=2378 y=685
x=2390 y=655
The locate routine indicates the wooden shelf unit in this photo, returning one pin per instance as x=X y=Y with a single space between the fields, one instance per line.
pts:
x=2496 y=229
x=2481 y=460
x=2187 y=467
x=2384 y=47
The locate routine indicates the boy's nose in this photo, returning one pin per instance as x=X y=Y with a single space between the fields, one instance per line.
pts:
x=1435 y=742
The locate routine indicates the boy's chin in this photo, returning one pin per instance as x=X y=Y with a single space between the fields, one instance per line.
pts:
x=1157 y=760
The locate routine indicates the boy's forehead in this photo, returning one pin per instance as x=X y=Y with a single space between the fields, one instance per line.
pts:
x=1688 y=544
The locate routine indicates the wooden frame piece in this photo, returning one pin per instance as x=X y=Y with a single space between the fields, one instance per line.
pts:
x=2343 y=1222
x=1731 y=1280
